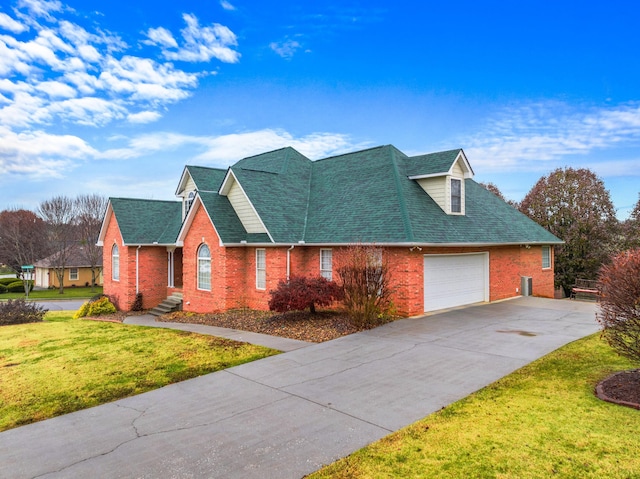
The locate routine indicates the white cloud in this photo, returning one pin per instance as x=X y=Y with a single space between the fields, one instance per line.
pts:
x=41 y=8
x=56 y=89
x=39 y=154
x=201 y=44
x=10 y=24
x=227 y=149
x=161 y=36
x=285 y=49
x=227 y=5
x=144 y=117
x=530 y=136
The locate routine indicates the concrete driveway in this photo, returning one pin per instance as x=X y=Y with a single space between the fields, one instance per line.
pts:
x=287 y=415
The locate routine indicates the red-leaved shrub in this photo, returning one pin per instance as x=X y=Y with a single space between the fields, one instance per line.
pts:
x=619 y=313
x=300 y=293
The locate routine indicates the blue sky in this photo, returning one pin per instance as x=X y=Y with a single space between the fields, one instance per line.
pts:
x=116 y=97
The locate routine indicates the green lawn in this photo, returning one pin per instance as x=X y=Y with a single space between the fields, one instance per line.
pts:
x=63 y=364
x=541 y=421
x=69 y=293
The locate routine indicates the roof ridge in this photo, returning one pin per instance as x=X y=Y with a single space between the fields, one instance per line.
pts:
x=351 y=153
x=306 y=210
x=401 y=199
x=142 y=199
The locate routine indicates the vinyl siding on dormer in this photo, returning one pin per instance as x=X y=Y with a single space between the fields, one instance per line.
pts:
x=244 y=210
x=437 y=189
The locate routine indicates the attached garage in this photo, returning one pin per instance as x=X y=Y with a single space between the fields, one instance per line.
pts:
x=455 y=280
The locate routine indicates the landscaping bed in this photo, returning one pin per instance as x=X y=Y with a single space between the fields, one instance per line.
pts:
x=302 y=325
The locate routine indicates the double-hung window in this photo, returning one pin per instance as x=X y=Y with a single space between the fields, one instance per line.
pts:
x=326 y=264
x=73 y=274
x=456 y=195
x=261 y=269
x=204 y=268
x=546 y=257
x=115 y=263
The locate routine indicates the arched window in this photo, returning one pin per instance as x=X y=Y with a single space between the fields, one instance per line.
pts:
x=204 y=267
x=115 y=263
x=190 y=199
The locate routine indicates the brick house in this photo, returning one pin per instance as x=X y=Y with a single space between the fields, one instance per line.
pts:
x=236 y=233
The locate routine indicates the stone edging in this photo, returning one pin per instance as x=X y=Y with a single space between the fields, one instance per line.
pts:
x=602 y=395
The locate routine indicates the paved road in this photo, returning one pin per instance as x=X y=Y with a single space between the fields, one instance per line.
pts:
x=287 y=415
x=62 y=304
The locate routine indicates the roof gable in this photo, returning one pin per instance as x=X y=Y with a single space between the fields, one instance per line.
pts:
x=146 y=222
x=438 y=164
x=277 y=186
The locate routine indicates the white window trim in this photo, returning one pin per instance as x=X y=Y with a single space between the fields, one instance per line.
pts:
x=461 y=212
x=115 y=263
x=261 y=269
x=548 y=249
x=71 y=275
x=200 y=259
x=324 y=272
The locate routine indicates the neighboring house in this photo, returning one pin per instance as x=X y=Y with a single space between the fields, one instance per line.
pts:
x=77 y=271
x=237 y=232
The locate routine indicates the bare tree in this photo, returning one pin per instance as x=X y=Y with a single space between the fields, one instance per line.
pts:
x=90 y=211
x=59 y=213
x=576 y=207
x=22 y=238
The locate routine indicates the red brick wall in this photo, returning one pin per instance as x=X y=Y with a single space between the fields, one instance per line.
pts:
x=233 y=281
x=506 y=266
x=151 y=271
x=118 y=291
x=200 y=301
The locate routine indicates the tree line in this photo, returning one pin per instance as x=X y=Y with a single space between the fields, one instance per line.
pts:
x=574 y=205
x=53 y=231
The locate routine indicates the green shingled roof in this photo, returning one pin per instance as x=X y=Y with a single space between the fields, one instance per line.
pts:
x=365 y=196
x=206 y=179
x=147 y=221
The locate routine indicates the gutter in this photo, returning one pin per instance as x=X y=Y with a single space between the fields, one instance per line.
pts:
x=289 y=261
x=137 y=269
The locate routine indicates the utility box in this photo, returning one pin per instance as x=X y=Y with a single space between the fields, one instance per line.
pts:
x=526 y=285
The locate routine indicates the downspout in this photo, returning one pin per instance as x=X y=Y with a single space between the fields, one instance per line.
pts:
x=137 y=268
x=289 y=261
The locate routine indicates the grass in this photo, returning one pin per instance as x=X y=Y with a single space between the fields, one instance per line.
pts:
x=541 y=421
x=69 y=293
x=63 y=365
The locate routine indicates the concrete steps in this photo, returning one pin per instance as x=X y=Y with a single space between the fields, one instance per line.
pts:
x=172 y=303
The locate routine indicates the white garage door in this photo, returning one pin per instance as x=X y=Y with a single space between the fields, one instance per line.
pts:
x=454 y=280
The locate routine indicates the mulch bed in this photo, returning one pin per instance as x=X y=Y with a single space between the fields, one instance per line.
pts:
x=316 y=328
x=621 y=388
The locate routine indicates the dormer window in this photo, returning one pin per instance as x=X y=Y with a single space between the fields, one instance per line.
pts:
x=190 y=199
x=456 y=195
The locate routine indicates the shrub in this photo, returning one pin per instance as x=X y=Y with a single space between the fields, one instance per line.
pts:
x=83 y=311
x=619 y=308
x=19 y=311
x=18 y=286
x=8 y=281
x=101 y=306
x=96 y=306
x=300 y=293
x=137 y=304
x=366 y=283
x=3 y=288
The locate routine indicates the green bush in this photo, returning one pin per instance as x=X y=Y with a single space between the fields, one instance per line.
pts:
x=19 y=311
x=7 y=281
x=3 y=288
x=18 y=286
